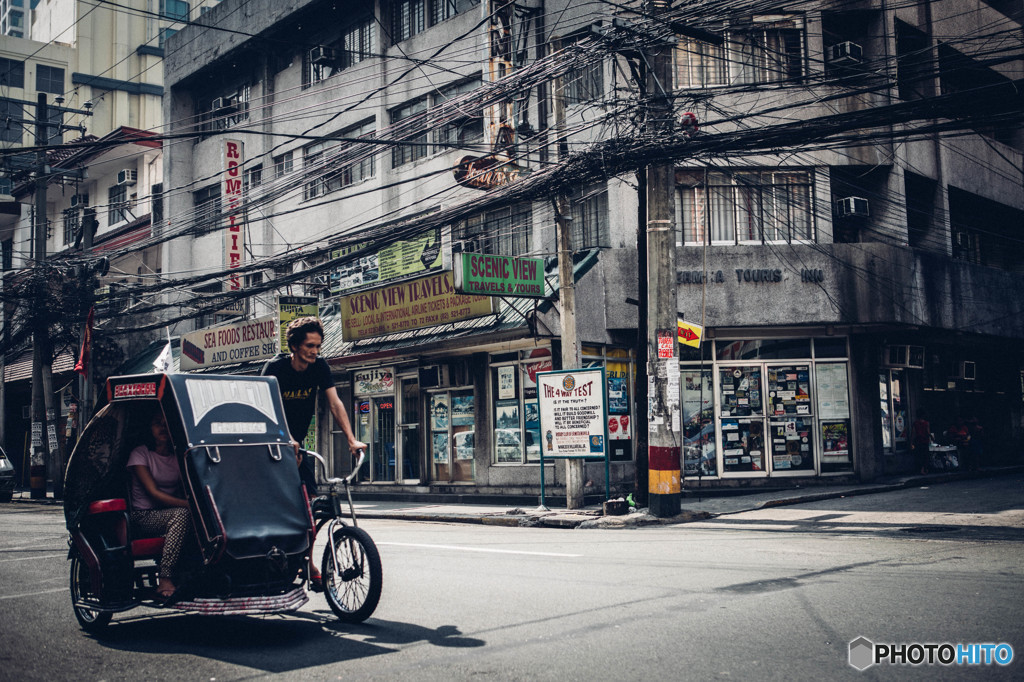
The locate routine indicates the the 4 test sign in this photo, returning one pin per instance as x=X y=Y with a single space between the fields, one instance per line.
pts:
x=573 y=413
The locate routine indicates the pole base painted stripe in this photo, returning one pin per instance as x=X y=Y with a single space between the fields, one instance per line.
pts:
x=663 y=482
x=664 y=506
x=663 y=458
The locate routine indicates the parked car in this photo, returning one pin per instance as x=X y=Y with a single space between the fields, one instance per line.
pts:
x=6 y=478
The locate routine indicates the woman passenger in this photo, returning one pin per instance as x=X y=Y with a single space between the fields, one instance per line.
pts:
x=158 y=501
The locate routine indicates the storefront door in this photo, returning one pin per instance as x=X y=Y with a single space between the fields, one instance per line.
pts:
x=409 y=430
x=892 y=398
x=375 y=426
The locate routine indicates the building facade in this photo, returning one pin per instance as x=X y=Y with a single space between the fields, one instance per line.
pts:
x=844 y=284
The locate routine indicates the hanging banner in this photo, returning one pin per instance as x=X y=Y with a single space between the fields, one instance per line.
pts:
x=415 y=304
x=232 y=198
x=405 y=258
x=292 y=308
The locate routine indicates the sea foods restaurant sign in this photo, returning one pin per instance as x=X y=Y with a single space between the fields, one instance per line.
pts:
x=240 y=342
x=491 y=275
x=415 y=304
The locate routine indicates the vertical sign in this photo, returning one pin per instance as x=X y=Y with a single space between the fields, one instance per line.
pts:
x=233 y=237
x=292 y=308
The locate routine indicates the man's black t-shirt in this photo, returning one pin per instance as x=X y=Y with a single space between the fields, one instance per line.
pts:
x=299 y=390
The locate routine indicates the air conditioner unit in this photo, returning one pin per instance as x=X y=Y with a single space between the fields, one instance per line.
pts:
x=222 y=105
x=846 y=54
x=126 y=176
x=79 y=200
x=322 y=55
x=435 y=376
x=852 y=207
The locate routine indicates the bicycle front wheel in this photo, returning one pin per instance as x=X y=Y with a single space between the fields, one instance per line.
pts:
x=352 y=574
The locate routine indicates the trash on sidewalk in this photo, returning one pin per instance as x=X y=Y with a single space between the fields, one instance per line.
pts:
x=616 y=507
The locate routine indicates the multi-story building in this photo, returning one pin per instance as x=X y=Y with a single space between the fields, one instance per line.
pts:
x=13 y=18
x=847 y=238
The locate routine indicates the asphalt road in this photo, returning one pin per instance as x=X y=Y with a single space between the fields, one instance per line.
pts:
x=772 y=594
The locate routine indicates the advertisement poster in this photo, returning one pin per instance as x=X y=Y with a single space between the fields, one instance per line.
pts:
x=406 y=258
x=292 y=308
x=833 y=390
x=439 y=411
x=506 y=382
x=619 y=427
x=835 y=439
x=573 y=413
x=462 y=410
x=440 y=442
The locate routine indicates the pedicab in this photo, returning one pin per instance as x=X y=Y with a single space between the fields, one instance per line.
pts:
x=252 y=520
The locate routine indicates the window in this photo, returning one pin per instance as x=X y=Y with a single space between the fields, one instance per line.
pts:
x=358 y=43
x=206 y=207
x=12 y=122
x=505 y=231
x=156 y=208
x=117 y=204
x=165 y=33
x=283 y=164
x=49 y=79
x=769 y=53
x=590 y=217
x=12 y=73
x=253 y=177
x=414 y=133
x=7 y=254
x=174 y=10
x=584 y=84
x=517 y=438
x=409 y=17
x=72 y=223
x=225 y=109
x=338 y=164
x=745 y=207
x=466 y=130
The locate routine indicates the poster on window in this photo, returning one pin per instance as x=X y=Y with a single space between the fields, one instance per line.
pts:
x=792 y=445
x=506 y=383
x=833 y=390
x=619 y=427
x=540 y=361
x=440 y=444
x=835 y=441
x=439 y=412
x=462 y=410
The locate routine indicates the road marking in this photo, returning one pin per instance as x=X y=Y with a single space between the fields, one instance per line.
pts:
x=29 y=558
x=478 y=549
x=33 y=594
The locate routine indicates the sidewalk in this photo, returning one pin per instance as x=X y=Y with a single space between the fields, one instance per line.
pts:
x=693 y=508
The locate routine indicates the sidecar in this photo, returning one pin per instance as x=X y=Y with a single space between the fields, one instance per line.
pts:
x=250 y=515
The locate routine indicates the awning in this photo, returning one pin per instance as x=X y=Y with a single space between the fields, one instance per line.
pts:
x=21 y=368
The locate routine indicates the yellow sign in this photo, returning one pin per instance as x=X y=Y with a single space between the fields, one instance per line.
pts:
x=292 y=308
x=415 y=304
x=689 y=333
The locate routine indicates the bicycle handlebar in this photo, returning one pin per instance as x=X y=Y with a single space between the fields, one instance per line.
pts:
x=348 y=479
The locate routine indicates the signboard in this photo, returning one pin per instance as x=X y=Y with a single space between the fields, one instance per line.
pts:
x=415 y=304
x=491 y=275
x=573 y=413
x=689 y=333
x=230 y=343
x=377 y=380
x=232 y=197
x=398 y=260
x=292 y=308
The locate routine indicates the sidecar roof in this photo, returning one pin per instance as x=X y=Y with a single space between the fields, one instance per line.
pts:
x=214 y=409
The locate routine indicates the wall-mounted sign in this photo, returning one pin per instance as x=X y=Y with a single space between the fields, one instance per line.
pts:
x=573 y=413
x=230 y=343
x=377 y=380
x=398 y=260
x=232 y=198
x=491 y=275
x=415 y=304
x=689 y=333
x=487 y=172
x=292 y=308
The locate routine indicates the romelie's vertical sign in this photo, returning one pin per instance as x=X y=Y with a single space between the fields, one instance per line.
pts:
x=233 y=237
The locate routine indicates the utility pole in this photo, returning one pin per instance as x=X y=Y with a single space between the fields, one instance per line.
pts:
x=664 y=420
x=40 y=338
x=571 y=359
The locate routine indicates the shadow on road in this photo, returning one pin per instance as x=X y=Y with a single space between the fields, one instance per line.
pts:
x=275 y=644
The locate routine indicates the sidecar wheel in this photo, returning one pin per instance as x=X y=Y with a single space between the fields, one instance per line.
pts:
x=352 y=579
x=90 y=620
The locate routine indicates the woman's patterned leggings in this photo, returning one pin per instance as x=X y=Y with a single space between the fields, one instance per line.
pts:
x=173 y=524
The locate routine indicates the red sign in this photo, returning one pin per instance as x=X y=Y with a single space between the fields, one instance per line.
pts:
x=146 y=390
x=665 y=348
x=233 y=243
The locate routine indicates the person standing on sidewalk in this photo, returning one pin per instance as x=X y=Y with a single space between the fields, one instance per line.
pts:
x=921 y=431
x=302 y=375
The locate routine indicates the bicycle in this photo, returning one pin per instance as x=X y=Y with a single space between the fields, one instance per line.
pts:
x=350 y=570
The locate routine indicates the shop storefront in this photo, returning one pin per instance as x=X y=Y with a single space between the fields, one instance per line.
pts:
x=757 y=408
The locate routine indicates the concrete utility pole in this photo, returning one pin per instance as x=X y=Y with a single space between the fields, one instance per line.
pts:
x=574 y=470
x=664 y=427
x=40 y=338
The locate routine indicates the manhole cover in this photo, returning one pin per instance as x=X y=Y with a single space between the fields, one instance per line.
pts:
x=929 y=529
